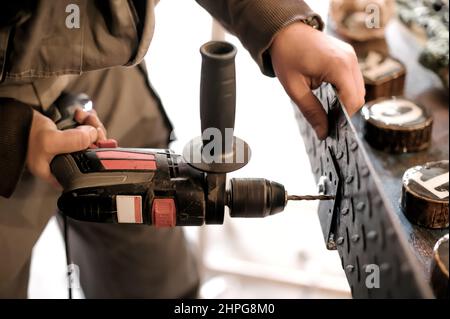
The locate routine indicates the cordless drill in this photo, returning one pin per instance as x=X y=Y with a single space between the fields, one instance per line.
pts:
x=108 y=184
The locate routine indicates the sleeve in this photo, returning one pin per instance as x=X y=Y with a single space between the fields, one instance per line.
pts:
x=256 y=22
x=15 y=124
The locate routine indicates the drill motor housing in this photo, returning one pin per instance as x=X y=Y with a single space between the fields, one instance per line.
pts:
x=142 y=186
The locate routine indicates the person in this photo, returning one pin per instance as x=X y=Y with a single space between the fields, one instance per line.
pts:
x=41 y=56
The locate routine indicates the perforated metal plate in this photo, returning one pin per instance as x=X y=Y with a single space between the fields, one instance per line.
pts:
x=362 y=224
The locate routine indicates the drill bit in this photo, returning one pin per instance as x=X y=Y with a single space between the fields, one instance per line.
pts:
x=310 y=197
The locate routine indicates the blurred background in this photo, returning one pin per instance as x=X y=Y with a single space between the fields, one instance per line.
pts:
x=283 y=256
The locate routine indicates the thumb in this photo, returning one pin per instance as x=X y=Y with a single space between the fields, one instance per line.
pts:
x=73 y=140
x=310 y=107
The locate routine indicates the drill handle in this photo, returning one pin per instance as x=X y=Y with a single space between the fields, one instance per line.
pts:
x=218 y=91
x=62 y=112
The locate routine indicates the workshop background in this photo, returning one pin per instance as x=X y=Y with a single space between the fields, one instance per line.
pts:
x=283 y=256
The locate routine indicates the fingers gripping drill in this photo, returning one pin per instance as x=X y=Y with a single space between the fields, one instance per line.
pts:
x=160 y=188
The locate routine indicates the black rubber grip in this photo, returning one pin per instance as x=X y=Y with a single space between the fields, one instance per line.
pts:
x=218 y=89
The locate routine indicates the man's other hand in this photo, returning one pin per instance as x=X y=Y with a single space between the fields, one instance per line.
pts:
x=303 y=58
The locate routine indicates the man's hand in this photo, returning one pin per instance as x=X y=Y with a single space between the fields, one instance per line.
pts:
x=303 y=58
x=46 y=141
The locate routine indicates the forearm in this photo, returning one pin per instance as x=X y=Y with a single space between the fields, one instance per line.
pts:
x=15 y=124
x=256 y=22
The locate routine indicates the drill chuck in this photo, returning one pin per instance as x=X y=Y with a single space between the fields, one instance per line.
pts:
x=255 y=197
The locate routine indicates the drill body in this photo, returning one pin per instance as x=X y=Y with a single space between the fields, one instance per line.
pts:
x=155 y=187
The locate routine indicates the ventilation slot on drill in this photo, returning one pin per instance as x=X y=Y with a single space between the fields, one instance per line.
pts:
x=83 y=162
x=87 y=162
x=173 y=167
x=89 y=209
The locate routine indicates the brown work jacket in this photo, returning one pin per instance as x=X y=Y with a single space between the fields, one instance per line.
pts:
x=42 y=45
